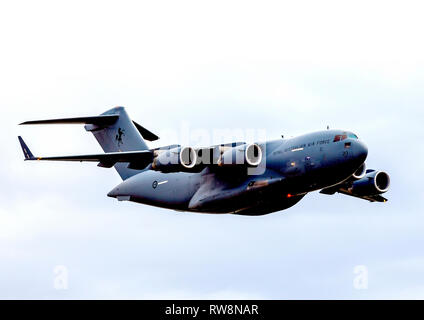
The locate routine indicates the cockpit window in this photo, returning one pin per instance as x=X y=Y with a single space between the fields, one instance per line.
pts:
x=353 y=136
x=345 y=135
x=340 y=137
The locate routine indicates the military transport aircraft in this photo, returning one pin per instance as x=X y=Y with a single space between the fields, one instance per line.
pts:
x=238 y=178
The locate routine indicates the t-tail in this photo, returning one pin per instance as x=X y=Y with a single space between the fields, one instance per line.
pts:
x=119 y=136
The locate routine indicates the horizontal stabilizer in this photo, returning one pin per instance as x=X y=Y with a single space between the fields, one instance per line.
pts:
x=103 y=120
x=98 y=120
x=146 y=134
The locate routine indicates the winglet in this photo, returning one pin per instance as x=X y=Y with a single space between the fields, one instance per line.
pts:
x=27 y=153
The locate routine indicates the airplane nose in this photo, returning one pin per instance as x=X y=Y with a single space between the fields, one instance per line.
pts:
x=361 y=151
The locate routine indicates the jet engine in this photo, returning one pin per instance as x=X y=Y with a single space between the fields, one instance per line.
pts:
x=373 y=183
x=176 y=159
x=249 y=155
x=360 y=172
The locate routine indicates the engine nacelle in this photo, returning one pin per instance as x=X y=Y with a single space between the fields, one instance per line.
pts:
x=176 y=159
x=360 y=172
x=249 y=155
x=373 y=183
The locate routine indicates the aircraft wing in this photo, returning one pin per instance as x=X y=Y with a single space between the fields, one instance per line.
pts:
x=344 y=189
x=372 y=198
x=136 y=159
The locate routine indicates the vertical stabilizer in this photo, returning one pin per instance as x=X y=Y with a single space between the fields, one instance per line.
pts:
x=122 y=135
x=114 y=131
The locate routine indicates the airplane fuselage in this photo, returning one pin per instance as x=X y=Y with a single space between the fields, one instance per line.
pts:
x=290 y=169
x=237 y=178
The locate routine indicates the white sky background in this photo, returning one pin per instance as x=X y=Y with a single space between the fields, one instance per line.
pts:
x=288 y=68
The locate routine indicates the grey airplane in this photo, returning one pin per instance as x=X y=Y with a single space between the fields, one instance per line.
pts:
x=237 y=178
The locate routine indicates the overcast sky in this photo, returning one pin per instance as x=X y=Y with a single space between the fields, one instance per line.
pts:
x=287 y=68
